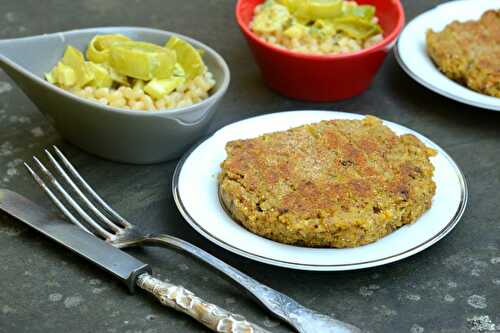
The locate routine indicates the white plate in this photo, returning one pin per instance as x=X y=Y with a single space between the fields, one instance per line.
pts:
x=195 y=192
x=411 y=51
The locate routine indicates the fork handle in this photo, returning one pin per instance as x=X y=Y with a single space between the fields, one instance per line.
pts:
x=304 y=320
x=210 y=315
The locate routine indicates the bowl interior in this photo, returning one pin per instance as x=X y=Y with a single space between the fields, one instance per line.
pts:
x=389 y=12
x=38 y=54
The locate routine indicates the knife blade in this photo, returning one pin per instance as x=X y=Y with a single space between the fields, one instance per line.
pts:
x=123 y=266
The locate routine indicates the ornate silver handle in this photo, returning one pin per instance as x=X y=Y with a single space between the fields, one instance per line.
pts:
x=210 y=315
x=304 y=320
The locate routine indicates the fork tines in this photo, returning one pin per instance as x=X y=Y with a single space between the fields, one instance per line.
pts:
x=105 y=223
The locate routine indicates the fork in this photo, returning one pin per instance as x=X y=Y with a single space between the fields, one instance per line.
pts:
x=117 y=231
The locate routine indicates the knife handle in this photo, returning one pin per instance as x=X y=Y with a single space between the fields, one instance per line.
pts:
x=210 y=315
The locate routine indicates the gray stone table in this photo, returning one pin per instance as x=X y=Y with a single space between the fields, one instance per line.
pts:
x=454 y=286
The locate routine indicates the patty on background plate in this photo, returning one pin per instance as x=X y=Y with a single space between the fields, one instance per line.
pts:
x=469 y=52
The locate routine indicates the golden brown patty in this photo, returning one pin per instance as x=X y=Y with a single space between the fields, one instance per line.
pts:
x=338 y=183
x=469 y=52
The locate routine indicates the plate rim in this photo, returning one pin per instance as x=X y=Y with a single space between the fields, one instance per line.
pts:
x=429 y=85
x=314 y=267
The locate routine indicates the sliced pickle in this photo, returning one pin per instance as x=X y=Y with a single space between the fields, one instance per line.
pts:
x=74 y=59
x=141 y=60
x=66 y=76
x=356 y=27
x=319 y=9
x=179 y=71
x=62 y=75
x=187 y=56
x=115 y=76
x=290 y=4
x=98 y=49
x=102 y=77
x=159 y=88
x=364 y=11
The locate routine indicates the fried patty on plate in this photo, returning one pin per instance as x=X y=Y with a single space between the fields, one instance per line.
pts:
x=469 y=52
x=338 y=183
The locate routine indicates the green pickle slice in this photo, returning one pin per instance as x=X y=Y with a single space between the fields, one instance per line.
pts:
x=159 y=88
x=62 y=75
x=75 y=60
x=187 y=56
x=290 y=4
x=364 y=11
x=318 y=9
x=115 y=76
x=141 y=60
x=356 y=27
x=179 y=71
x=102 y=77
x=98 y=49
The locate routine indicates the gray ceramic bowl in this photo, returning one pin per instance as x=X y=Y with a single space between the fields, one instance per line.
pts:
x=121 y=135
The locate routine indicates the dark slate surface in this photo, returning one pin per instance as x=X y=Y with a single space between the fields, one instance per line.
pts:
x=454 y=286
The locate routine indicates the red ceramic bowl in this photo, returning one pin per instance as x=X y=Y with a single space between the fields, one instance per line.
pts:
x=322 y=77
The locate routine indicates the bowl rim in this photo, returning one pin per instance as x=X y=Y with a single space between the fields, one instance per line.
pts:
x=322 y=57
x=226 y=76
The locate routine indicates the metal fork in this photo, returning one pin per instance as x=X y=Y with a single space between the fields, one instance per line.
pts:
x=117 y=231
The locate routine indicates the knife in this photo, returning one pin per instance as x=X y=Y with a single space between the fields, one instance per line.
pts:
x=122 y=266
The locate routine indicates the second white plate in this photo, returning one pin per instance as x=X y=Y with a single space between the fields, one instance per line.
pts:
x=195 y=192
x=411 y=51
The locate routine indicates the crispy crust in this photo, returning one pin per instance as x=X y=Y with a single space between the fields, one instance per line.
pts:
x=469 y=52
x=338 y=183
